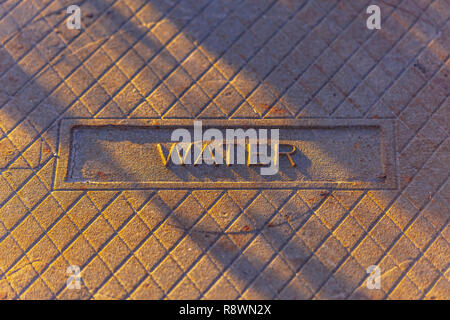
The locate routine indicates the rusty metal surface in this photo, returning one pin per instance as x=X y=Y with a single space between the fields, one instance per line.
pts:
x=224 y=59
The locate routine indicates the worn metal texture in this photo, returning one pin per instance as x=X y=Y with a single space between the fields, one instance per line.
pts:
x=362 y=155
x=270 y=60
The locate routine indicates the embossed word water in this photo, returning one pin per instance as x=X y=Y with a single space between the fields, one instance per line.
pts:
x=249 y=147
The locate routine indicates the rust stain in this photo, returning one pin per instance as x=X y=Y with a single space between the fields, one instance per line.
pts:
x=324 y=193
x=407 y=179
x=279 y=110
x=8 y=152
x=103 y=176
x=46 y=150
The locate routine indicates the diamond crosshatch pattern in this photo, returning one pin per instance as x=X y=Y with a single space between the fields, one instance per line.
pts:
x=224 y=59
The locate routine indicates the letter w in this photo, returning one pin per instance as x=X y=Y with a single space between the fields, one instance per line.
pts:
x=180 y=159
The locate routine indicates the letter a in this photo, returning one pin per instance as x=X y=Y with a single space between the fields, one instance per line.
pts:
x=374 y=21
x=74 y=20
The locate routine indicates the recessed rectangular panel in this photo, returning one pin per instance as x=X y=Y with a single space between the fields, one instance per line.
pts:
x=113 y=154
